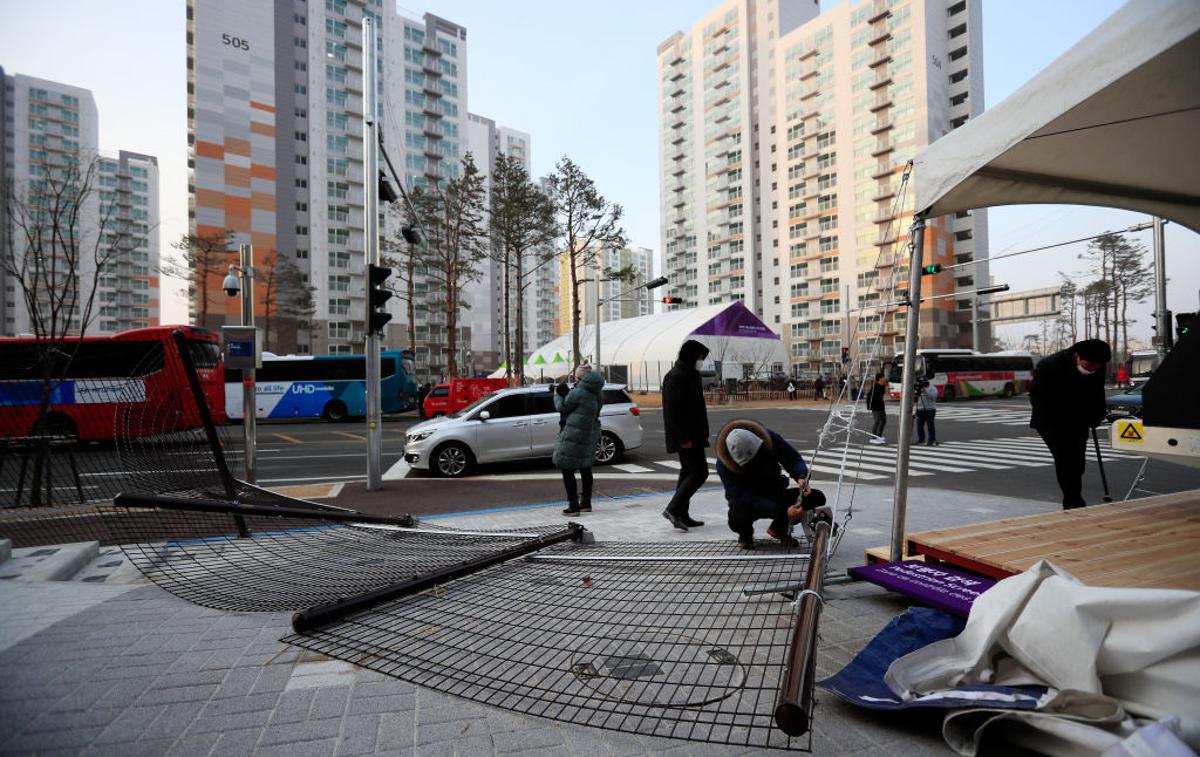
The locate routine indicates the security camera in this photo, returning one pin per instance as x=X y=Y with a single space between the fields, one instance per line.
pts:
x=231 y=285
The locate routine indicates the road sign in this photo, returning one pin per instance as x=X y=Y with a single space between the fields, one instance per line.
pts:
x=1130 y=431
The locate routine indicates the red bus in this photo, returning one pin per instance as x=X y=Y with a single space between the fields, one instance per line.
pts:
x=963 y=373
x=139 y=369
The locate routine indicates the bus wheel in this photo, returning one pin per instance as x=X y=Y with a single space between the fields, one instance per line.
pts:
x=608 y=448
x=335 y=410
x=948 y=393
x=1008 y=390
x=58 y=425
x=453 y=460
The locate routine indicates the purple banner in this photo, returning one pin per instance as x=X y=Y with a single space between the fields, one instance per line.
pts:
x=736 y=320
x=937 y=586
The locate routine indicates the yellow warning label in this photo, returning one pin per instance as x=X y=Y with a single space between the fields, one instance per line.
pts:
x=1129 y=431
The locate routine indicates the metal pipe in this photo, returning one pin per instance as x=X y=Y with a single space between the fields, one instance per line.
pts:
x=269 y=511
x=599 y=314
x=249 y=404
x=975 y=321
x=792 y=710
x=1162 y=316
x=904 y=444
x=371 y=253
x=315 y=617
x=669 y=558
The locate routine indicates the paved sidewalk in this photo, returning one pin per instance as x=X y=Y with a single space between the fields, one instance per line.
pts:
x=94 y=668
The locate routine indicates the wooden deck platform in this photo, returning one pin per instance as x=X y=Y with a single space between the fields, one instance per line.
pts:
x=1152 y=543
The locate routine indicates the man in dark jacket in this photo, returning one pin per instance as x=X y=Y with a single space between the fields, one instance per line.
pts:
x=1068 y=401
x=685 y=423
x=875 y=397
x=751 y=461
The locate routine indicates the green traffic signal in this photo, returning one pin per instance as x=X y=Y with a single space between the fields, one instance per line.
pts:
x=935 y=268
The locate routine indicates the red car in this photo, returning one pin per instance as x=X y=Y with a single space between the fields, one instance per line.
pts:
x=445 y=399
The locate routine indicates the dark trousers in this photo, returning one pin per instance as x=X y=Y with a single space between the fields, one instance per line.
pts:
x=880 y=422
x=585 y=475
x=1069 y=449
x=693 y=472
x=925 y=420
x=743 y=515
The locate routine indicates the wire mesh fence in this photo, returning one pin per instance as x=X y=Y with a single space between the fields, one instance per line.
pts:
x=685 y=641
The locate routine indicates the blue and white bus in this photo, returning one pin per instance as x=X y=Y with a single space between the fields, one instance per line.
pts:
x=323 y=386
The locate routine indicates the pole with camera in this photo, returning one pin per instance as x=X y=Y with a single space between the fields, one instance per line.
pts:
x=652 y=284
x=377 y=295
x=243 y=350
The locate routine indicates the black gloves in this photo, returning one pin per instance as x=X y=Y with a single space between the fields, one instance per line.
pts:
x=562 y=390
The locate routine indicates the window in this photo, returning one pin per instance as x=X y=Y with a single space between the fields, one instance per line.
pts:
x=508 y=406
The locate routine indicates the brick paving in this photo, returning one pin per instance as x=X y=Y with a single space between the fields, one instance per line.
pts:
x=90 y=668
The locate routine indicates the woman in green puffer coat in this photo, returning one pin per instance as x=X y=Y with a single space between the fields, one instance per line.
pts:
x=579 y=432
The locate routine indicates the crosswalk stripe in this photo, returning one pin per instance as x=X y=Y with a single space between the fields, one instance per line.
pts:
x=711 y=460
x=849 y=473
x=1034 y=445
x=953 y=459
x=631 y=468
x=913 y=462
x=871 y=464
x=1013 y=457
x=668 y=464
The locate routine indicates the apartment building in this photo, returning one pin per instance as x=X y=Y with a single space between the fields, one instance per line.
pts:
x=275 y=94
x=46 y=126
x=638 y=262
x=848 y=97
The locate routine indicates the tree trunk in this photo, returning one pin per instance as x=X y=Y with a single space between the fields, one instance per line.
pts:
x=412 y=320
x=575 y=310
x=507 y=326
x=520 y=322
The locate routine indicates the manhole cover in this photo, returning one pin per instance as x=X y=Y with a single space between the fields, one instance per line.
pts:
x=658 y=670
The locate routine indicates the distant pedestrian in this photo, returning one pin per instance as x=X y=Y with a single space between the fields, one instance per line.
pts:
x=1122 y=377
x=875 y=405
x=842 y=384
x=685 y=423
x=754 y=464
x=1067 y=395
x=819 y=388
x=792 y=390
x=579 y=430
x=422 y=393
x=926 y=410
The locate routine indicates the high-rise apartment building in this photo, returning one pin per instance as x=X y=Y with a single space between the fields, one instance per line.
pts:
x=844 y=100
x=49 y=127
x=636 y=262
x=275 y=128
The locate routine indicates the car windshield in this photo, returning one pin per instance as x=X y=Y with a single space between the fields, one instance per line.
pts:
x=474 y=405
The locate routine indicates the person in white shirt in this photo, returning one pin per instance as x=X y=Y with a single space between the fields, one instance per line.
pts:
x=926 y=410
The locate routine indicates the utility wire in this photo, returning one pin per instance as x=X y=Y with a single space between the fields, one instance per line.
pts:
x=1130 y=230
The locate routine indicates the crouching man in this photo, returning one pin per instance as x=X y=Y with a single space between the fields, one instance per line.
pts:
x=751 y=461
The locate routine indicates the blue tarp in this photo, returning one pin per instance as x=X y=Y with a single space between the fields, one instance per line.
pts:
x=861 y=681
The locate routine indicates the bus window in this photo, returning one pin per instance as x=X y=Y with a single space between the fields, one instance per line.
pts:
x=204 y=354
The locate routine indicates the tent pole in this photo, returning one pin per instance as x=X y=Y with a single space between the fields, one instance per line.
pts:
x=904 y=443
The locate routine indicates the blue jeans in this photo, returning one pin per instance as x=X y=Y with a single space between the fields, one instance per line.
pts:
x=925 y=418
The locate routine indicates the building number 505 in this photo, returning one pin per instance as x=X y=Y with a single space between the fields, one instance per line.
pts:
x=237 y=42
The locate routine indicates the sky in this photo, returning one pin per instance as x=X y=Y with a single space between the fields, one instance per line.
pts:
x=580 y=78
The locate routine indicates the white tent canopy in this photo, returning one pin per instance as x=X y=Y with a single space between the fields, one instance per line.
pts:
x=1115 y=121
x=647 y=346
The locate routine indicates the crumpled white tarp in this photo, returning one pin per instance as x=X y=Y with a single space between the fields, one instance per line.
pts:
x=1106 y=653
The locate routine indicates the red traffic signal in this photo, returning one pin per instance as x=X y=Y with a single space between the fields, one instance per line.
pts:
x=673 y=300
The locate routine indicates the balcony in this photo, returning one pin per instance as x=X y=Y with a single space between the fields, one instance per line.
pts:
x=885 y=170
x=889 y=239
x=881 y=103
x=880 y=60
x=881 y=80
x=882 y=126
x=879 y=38
x=881 y=12
x=883 y=148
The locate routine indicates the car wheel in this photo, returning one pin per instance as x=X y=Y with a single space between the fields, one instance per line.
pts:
x=608 y=448
x=335 y=410
x=1008 y=391
x=453 y=460
x=948 y=393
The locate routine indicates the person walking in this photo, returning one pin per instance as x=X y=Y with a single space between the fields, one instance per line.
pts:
x=926 y=410
x=819 y=388
x=579 y=430
x=792 y=390
x=752 y=461
x=1122 y=377
x=1067 y=396
x=685 y=423
x=875 y=404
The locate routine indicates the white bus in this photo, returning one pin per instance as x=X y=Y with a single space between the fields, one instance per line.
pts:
x=964 y=373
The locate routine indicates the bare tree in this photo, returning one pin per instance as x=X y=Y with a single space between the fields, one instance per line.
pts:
x=202 y=257
x=455 y=242
x=521 y=220
x=267 y=274
x=403 y=258
x=588 y=223
x=63 y=238
x=297 y=299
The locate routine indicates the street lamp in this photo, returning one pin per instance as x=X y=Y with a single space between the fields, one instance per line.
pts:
x=240 y=280
x=652 y=284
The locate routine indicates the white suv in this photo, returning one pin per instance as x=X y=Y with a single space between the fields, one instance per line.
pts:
x=515 y=424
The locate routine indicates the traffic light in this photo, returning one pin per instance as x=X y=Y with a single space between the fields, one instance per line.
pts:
x=387 y=190
x=1185 y=323
x=377 y=297
x=934 y=268
x=673 y=300
x=410 y=234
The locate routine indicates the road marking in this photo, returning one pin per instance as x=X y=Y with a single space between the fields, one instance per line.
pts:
x=849 y=473
x=913 y=461
x=398 y=471
x=287 y=438
x=668 y=463
x=631 y=468
x=980 y=510
x=349 y=435
x=1036 y=447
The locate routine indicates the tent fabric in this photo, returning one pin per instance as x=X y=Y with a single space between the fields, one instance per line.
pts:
x=1138 y=647
x=648 y=345
x=1111 y=122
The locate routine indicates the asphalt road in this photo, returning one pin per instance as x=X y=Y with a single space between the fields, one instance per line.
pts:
x=986 y=448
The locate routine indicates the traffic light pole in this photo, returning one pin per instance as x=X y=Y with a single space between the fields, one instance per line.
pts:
x=1162 y=316
x=371 y=252
x=904 y=443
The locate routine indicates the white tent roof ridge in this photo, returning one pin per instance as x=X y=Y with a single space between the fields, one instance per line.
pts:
x=1110 y=122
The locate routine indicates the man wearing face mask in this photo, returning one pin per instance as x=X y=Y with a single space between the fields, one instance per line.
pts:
x=685 y=423
x=1068 y=401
